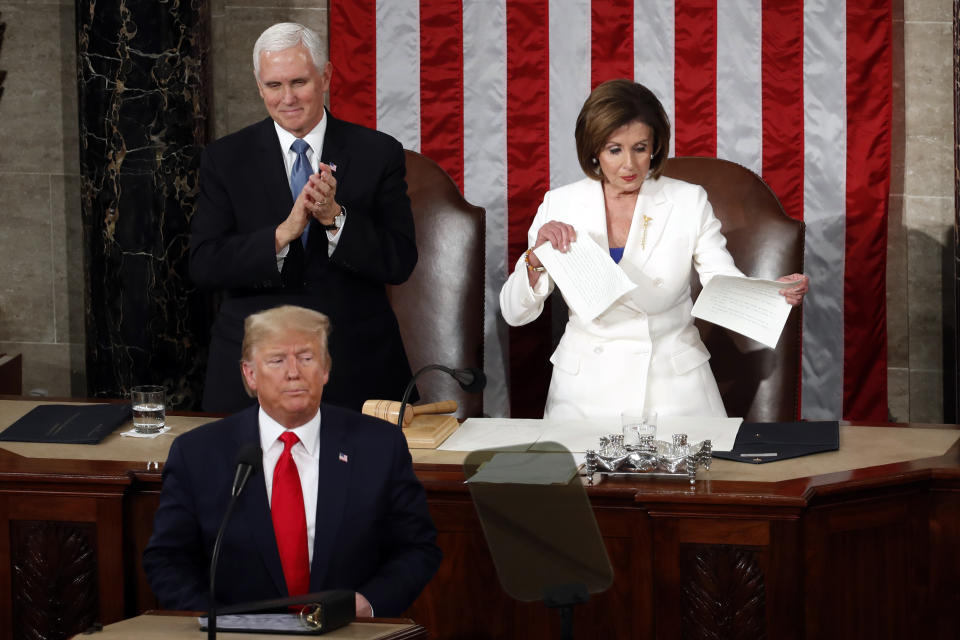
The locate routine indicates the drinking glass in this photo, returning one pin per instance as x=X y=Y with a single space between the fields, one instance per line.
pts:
x=149 y=408
x=636 y=424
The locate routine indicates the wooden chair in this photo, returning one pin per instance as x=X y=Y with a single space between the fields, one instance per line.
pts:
x=440 y=307
x=758 y=383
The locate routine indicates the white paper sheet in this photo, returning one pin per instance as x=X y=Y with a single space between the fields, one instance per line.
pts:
x=576 y=436
x=262 y=622
x=750 y=306
x=720 y=431
x=493 y=433
x=586 y=274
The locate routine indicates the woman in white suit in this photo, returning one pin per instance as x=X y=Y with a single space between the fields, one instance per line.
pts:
x=644 y=351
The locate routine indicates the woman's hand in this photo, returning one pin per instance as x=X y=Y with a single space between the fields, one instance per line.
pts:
x=794 y=295
x=558 y=234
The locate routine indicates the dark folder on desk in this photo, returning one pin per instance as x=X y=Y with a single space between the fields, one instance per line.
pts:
x=67 y=423
x=760 y=442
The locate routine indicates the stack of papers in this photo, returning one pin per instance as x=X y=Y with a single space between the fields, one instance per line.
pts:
x=578 y=436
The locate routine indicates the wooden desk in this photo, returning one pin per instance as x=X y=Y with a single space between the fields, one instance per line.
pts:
x=860 y=543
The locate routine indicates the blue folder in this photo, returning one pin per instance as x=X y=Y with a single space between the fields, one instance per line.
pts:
x=67 y=423
x=762 y=442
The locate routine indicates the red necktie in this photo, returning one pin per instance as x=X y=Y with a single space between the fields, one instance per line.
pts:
x=289 y=521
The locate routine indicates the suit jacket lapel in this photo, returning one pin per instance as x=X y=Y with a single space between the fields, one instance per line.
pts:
x=595 y=222
x=336 y=149
x=253 y=509
x=649 y=220
x=336 y=449
x=268 y=158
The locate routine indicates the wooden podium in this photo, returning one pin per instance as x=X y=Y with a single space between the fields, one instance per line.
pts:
x=177 y=626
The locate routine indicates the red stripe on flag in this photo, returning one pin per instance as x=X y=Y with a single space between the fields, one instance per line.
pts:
x=695 y=77
x=869 y=117
x=781 y=61
x=611 y=40
x=441 y=84
x=528 y=177
x=353 y=54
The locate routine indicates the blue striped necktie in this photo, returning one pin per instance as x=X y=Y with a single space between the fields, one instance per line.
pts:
x=299 y=175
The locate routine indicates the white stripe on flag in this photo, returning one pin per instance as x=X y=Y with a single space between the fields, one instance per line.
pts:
x=398 y=70
x=653 y=51
x=569 y=84
x=824 y=199
x=485 y=172
x=739 y=117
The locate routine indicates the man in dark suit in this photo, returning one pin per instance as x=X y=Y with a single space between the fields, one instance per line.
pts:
x=332 y=244
x=338 y=507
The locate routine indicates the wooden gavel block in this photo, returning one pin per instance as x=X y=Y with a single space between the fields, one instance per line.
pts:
x=389 y=410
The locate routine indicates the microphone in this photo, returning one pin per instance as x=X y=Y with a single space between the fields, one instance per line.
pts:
x=471 y=380
x=249 y=459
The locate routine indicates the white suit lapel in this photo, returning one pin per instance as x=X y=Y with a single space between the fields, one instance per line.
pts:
x=649 y=221
x=594 y=213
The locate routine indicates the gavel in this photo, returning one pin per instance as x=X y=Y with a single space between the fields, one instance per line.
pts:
x=389 y=410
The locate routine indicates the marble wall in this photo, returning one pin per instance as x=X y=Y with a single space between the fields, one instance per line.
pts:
x=41 y=293
x=41 y=248
x=921 y=321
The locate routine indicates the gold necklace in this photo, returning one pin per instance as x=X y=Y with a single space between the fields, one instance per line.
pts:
x=646 y=223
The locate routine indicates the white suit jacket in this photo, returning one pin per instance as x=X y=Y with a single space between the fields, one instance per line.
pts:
x=644 y=351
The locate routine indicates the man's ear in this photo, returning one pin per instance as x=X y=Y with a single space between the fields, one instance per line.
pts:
x=249 y=376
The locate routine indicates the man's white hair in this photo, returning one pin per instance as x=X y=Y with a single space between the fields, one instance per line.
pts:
x=284 y=35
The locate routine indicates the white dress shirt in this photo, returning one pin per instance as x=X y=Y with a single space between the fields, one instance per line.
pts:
x=315 y=140
x=306 y=454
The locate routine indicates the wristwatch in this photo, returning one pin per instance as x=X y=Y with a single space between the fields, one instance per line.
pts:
x=337 y=221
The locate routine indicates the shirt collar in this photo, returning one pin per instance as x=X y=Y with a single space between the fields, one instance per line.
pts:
x=314 y=138
x=309 y=433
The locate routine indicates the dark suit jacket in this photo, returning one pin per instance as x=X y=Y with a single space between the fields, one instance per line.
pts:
x=374 y=534
x=244 y=195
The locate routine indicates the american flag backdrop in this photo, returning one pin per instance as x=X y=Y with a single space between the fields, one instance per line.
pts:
x=799 y=91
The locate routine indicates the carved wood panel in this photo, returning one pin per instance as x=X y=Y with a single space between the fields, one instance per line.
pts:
x=723 y=593
x=54 y=578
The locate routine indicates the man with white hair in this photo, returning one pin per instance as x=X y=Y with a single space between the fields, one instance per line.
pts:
x=302 y=208
x=334 y=503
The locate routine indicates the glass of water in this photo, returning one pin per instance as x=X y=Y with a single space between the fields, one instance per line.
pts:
x=636 y=424
x=149 y=408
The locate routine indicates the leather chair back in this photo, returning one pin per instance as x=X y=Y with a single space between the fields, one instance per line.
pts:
x=440 y=307
x=758 y=383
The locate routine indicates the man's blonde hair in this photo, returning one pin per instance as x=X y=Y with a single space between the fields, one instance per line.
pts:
x=260 y=327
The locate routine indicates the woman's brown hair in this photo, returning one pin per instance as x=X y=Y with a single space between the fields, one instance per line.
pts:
x=612 y=105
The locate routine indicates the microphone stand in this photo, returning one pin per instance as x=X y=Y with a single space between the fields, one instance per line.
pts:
x=247 y=461
x=472 y=380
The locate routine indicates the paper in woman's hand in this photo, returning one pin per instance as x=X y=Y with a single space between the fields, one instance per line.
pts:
x=750 y=306
x=586 y=274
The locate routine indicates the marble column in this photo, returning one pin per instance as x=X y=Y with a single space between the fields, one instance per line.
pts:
x=3 y=74
x=951 y=403
x=143 y=105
